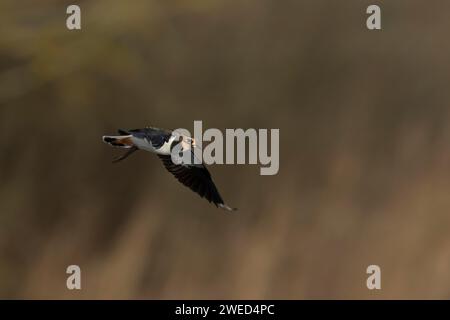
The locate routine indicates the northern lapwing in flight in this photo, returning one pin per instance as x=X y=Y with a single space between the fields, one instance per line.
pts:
x=160 y=141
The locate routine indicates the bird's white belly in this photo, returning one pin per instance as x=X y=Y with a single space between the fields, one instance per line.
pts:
x=165 y=148
x=146 y=145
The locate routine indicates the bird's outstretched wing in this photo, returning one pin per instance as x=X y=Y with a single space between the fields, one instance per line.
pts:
x=197 y=178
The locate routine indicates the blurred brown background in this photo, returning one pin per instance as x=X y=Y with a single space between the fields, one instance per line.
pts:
x=364 y=128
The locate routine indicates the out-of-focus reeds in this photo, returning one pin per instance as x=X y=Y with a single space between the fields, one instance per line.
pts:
x=364 y=128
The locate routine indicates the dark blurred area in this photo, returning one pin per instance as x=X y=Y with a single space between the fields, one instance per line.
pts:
x=364 y=149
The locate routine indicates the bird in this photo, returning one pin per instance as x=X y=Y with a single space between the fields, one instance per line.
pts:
x=193 y=174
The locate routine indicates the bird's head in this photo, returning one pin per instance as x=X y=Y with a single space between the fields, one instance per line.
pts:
x=188 y=141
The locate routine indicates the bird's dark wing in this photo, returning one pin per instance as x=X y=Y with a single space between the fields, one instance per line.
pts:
x=197 y=178
x=157 y=137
